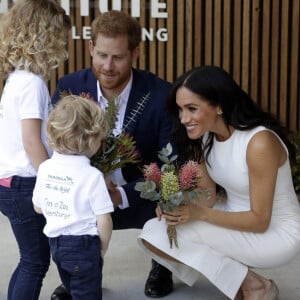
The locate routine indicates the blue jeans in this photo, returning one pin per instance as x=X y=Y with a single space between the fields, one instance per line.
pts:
x=27 y=225
x=79 y=264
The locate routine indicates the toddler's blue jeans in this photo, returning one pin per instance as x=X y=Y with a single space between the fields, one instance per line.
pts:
x=79 y=263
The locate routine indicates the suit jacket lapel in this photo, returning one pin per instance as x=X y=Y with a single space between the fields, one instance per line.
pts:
x=138 y=91
x=91 y=84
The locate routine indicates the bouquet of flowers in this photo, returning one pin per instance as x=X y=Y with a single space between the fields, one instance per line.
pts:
x=170 y=185
x=117 y=150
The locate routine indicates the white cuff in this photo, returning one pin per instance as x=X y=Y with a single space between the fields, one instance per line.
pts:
x=125 y=202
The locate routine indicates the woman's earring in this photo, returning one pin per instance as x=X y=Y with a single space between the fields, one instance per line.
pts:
x=219 y=113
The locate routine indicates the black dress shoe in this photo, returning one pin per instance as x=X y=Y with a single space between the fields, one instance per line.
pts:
x=159 y=282
x=60 y=293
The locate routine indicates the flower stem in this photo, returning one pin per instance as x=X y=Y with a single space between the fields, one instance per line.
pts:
x=172 y=234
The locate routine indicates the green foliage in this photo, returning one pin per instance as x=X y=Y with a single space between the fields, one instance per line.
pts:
x=167 y=188
x=295 y=165
x=118 y=150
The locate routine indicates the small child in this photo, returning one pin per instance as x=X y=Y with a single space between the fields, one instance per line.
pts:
x=73 y=197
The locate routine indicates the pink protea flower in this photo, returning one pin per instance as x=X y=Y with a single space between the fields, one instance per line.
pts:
x=87 y=96
x=188 y=175
x=152 y=173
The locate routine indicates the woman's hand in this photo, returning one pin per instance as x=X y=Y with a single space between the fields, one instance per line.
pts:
x=184 y=214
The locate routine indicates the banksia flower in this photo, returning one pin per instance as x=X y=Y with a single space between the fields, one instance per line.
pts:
x=152 y=173
x=169 y=184
x=189 y=173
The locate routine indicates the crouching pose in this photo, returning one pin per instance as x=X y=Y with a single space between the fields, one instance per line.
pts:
x=244 y=150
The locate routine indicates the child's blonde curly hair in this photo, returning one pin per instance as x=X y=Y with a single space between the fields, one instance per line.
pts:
x=76 y=126
x=33 y=37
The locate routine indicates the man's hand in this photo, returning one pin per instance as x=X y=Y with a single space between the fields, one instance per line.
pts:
x=114 y=193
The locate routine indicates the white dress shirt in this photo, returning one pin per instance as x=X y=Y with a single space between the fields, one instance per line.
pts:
x=116 y=176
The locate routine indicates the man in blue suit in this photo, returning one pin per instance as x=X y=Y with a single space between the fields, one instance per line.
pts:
x=114 y=48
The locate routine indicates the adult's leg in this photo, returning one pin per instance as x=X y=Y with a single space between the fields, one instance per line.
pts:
x=61 y=293
x=26 y=281
x=159 y=282
x=257 y=287
x=16 y=204
x=194 y=257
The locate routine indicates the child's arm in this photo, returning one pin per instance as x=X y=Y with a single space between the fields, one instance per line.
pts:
x=104 y=223
x=37 y=209
x=33 y=145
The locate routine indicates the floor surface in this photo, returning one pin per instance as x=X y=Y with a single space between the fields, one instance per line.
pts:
x=126 y=269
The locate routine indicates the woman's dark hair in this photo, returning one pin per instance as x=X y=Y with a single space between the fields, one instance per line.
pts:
x=218 y=88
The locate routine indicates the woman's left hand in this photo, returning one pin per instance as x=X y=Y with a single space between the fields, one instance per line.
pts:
x=184 y=214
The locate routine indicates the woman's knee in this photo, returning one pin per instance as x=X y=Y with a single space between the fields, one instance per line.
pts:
x=158 y=252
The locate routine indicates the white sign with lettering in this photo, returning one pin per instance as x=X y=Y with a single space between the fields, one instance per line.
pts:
x=158 y=9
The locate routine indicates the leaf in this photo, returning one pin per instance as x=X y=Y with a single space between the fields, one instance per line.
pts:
x=168 y=168
x=176 y=199
x=147 y=190
x=192 y=195
x=173 y=158
x=145 y=186
x=137 y=111
x=167 y=206
x=153 y=196
x=166 y=151
x=116 y=151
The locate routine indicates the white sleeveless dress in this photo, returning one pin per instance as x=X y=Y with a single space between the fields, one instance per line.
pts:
x=224 y=255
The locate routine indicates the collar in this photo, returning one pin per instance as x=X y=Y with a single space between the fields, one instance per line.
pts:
x=123 y=96
x=67 y=158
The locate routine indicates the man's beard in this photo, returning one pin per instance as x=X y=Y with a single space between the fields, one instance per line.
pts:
x=100 y=75
x=116 y=84
x=111 y=87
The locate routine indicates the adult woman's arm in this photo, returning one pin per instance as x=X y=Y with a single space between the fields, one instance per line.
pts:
x=32 y=142
x=208 y=197
x=265 y=154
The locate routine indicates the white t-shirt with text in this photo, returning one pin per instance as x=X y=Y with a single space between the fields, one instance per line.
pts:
x=71 y=193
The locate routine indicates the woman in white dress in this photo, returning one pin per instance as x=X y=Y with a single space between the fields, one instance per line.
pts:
x=245 y=151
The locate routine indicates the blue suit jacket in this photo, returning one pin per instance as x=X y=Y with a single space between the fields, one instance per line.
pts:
x=151 y=132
